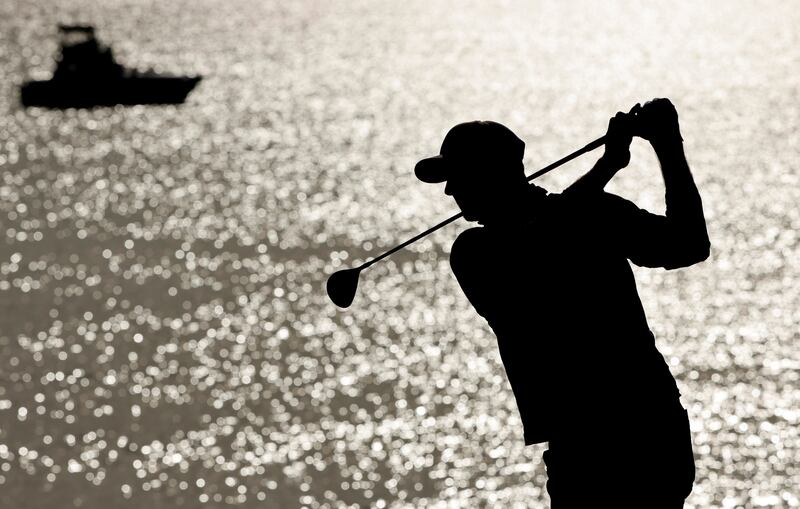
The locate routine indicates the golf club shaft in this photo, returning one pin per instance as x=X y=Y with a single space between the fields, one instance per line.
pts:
x=588 y=148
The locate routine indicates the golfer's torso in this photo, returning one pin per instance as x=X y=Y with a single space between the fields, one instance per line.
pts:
x=563 y=275
x=570 y=326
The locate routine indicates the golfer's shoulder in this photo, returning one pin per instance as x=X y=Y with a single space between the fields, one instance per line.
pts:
x=603 y=203
x=470 y=241
x=469 y=246
x=616 y=202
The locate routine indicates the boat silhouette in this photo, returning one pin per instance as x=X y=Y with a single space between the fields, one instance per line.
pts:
x=87 y=75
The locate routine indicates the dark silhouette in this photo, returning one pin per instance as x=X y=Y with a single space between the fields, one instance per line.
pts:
x=343 y=283
x=550 y=274
x=87 y=75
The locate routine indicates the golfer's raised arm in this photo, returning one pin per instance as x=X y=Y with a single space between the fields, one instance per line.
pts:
x=617 y=155
x=679 y=238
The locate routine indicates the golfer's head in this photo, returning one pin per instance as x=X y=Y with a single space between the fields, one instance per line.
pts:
x=481 y=161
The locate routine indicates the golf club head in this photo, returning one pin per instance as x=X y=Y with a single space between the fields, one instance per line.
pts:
x=342 y=286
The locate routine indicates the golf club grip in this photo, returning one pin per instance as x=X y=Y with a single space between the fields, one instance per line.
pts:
x=587 y=148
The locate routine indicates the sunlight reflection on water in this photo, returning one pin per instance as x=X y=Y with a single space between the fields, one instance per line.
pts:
x=165 y=337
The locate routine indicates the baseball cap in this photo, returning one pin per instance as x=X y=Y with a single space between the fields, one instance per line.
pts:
x=479 y=141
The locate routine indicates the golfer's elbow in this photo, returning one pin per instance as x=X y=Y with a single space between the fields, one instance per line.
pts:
x=699 y=253
x=693 y=252
x=701 y=244
x=704 y=250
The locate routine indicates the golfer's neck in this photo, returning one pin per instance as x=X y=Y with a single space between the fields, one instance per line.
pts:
x=516 y=209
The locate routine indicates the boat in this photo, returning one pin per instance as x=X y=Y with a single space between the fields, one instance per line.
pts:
x=87 y=76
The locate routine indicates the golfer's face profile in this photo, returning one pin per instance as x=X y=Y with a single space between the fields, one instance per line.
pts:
x=478 y=188
x=470 y=192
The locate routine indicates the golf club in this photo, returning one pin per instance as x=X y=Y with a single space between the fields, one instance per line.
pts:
x=342 y=284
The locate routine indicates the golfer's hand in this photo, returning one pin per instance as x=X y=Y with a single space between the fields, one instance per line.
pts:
x=618 y=140
x=657 y=122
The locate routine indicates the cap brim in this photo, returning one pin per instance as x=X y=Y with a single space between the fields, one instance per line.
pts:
x=432 y=170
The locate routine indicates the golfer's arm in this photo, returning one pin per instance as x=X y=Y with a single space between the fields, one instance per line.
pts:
x=594 y=180
x=684 y=206
x=679 y=238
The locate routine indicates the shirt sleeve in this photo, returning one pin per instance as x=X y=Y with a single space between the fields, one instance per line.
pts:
x=676 y=239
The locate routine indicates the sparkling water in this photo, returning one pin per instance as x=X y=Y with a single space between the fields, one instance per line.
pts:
x=165 y=337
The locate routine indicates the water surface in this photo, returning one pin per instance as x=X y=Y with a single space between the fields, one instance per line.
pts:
x=165 y=338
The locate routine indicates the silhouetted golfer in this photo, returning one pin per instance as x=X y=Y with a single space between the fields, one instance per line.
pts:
x=550 y=274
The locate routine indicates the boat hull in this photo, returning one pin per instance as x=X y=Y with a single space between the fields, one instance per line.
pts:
x=63 y=93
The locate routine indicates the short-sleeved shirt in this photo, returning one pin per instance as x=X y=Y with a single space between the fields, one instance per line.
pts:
x=559 y=294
